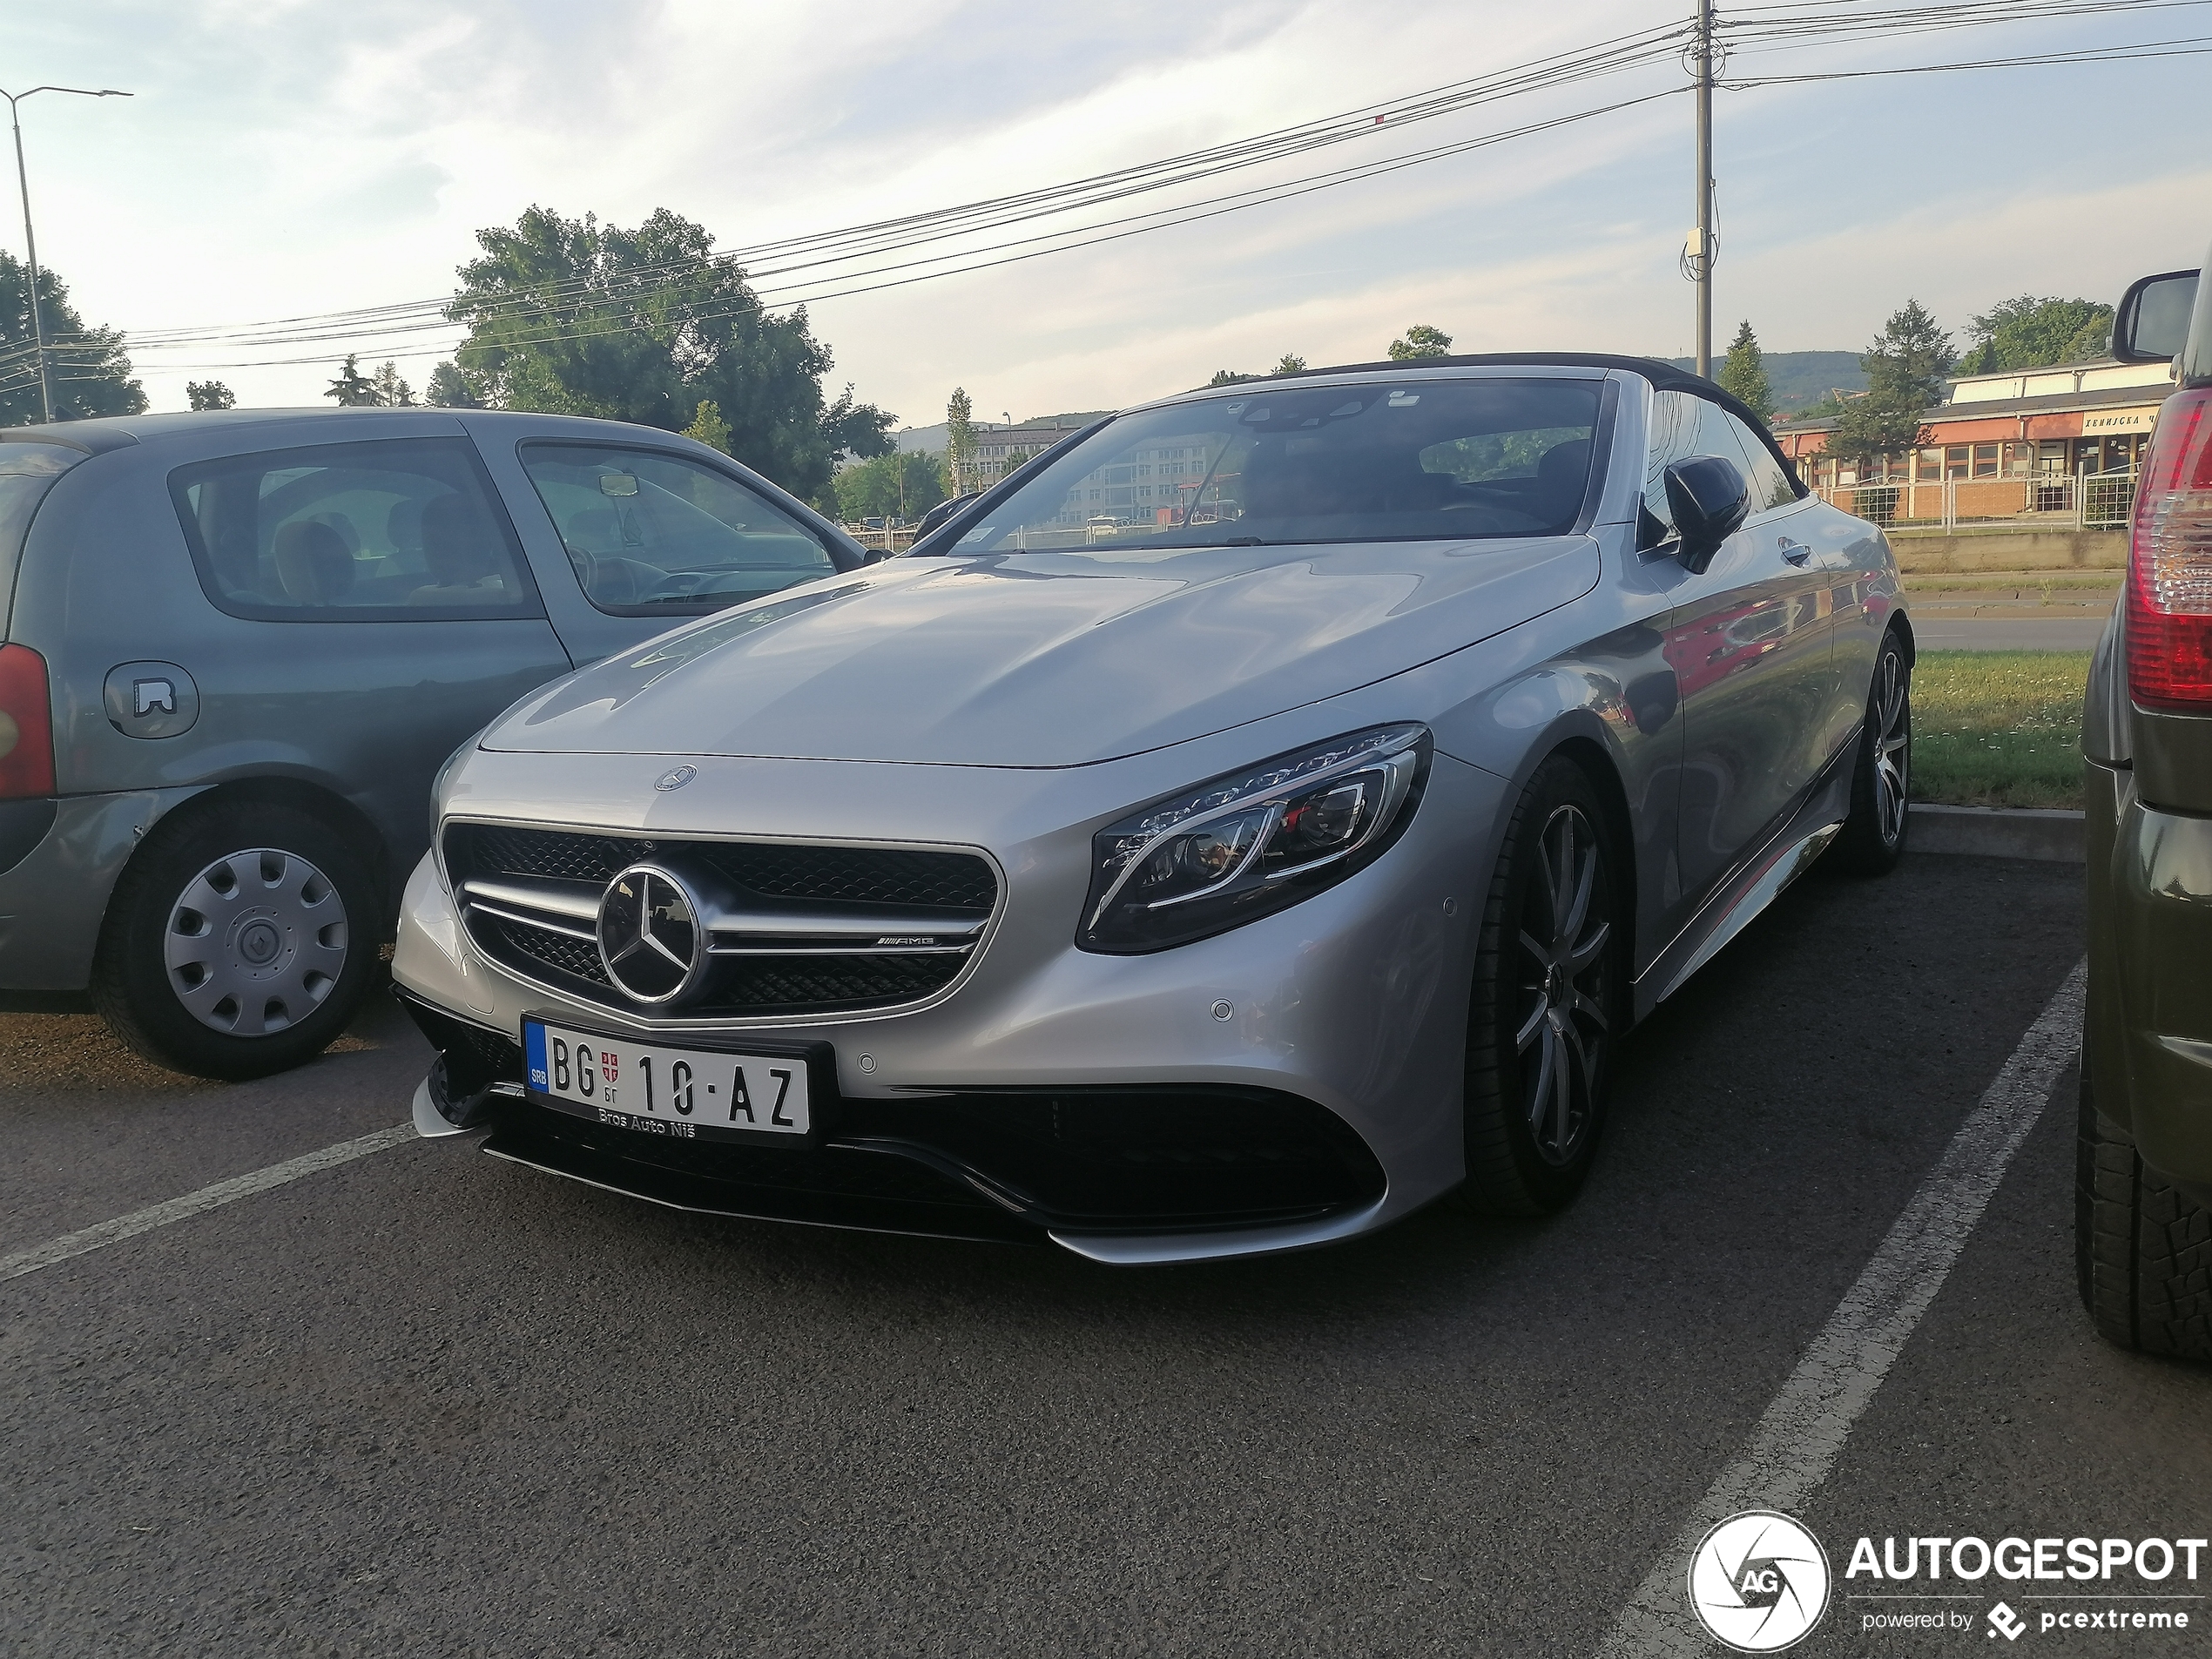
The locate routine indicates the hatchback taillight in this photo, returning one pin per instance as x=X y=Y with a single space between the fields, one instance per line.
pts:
x=26 y=725
x=2169 y=562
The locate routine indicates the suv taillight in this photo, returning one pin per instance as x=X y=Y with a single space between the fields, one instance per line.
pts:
x=2169 y=562
x=26 y=725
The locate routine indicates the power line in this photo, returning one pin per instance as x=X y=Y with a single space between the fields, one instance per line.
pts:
x=1789 y=24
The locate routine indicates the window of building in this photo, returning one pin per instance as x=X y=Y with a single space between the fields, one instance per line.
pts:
x=1954 y=461
x=1985 y=460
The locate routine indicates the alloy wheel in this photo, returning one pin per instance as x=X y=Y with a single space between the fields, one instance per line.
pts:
x=255 y=942
x=1562 y=1026
x=1892 y=719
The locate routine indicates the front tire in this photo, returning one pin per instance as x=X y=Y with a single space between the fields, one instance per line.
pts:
x=238 y=942
x=1881 y=815
x=2142 y=1248
x=1547 y=998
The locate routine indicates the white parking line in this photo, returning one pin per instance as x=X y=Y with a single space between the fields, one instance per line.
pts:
x=194 y=1204
x=1797 y=1441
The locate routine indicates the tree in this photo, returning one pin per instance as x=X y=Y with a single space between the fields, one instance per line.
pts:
x=574 y=317
x=210 y=395
x=391 y=390
x=1904 y=376
x=903 y=484
x=1418 y=342
x=352 y=389
x=86 y=366
x=452 y=389
x=2029 y=332
x=1744 y=373
x=959 y=436
x=709 y=427
x=1289 y=363
x=1230 y=377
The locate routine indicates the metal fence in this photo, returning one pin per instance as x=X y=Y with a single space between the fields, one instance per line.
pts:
x=2084 y=500
x=896 y=541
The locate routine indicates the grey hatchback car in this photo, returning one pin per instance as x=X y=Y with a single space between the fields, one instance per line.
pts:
x=239 y=645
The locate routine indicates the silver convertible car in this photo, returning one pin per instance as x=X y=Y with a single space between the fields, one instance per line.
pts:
x=1254 y=817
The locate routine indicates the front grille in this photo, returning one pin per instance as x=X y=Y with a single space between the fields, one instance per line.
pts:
x=880 y=889
x=568 y=956
x=491 y=849
x=896 y=881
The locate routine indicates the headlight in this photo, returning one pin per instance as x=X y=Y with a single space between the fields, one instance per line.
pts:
x=1251 y=843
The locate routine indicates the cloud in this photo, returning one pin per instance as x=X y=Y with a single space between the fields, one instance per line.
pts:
x=283 y=159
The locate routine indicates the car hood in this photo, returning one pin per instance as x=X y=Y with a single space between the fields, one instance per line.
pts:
x=1047 y=659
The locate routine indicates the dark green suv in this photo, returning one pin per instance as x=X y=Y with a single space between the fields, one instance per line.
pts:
x=2143 y=1195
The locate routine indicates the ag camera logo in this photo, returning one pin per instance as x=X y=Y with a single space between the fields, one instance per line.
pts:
x=1758 y=1582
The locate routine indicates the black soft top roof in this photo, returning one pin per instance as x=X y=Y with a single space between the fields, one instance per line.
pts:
x=1663 y=375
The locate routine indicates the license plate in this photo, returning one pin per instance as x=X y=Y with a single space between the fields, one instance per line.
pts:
x=691 y=1093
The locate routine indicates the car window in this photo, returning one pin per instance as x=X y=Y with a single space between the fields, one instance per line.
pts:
x=1683 y=426
x=1771 y=485
x=1395 y=460
x=405 y=529
x=653 y=534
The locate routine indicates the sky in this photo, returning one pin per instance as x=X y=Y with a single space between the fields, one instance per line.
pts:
x=285 y=158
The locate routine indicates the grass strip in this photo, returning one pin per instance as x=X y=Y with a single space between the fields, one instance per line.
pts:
x=1998 y=728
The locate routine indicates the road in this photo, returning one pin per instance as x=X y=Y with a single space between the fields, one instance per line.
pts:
x=1939 y=632
x=427 y=1403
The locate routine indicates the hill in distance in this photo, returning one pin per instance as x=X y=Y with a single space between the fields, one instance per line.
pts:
x=1801 y=378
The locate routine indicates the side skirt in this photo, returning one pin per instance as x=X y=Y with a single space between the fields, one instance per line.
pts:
x=1781 y=858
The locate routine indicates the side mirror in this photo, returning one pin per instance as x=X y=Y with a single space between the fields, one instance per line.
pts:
x=2151 y=323
x=941 y=511
x=1709 y=498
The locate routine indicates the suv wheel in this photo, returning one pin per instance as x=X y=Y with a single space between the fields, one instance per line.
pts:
x=1881 y=814
x=1547 y=980
x=2143 y=1248
x=238 y=942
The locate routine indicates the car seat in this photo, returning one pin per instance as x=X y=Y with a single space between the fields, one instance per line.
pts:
x=313 y=566
x=457 y=554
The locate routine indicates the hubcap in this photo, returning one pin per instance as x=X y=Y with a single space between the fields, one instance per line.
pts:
x=1563 y=990
x=255 y=942
x=1890 y=718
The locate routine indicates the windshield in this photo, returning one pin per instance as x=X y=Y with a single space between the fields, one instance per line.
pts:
x=1396 y=461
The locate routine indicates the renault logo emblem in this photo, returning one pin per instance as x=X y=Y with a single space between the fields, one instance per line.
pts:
x=675 y=779
x=651 y=939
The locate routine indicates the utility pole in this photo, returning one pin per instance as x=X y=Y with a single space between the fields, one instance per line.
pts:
x=1701 y=258
x=31 y=242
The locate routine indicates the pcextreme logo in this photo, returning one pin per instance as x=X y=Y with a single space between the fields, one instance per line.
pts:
x=1758 y=1582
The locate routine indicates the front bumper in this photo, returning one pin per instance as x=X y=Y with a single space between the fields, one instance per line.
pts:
x=1324 y=1042
x=2150 y=974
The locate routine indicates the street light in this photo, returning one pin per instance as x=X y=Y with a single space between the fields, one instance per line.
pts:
x=31 y=243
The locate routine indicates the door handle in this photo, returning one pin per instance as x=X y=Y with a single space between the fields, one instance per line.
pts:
x=1796 y=552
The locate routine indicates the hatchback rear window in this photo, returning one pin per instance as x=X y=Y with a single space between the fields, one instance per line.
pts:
x=27 y=472
x=1427 y=460
x=403 y=529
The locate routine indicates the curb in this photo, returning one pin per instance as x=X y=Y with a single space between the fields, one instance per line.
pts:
x=2000 y=832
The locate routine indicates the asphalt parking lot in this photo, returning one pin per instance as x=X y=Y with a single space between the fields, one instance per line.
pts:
x=427 y=1402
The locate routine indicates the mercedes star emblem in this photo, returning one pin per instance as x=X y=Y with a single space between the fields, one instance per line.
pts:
x=675 y=778
x=649 y=936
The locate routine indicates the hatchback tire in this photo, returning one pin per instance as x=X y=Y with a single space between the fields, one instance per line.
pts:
x=238 y=942
x=1548 y=1000
x=1881 y=814
x=2142 y=1248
